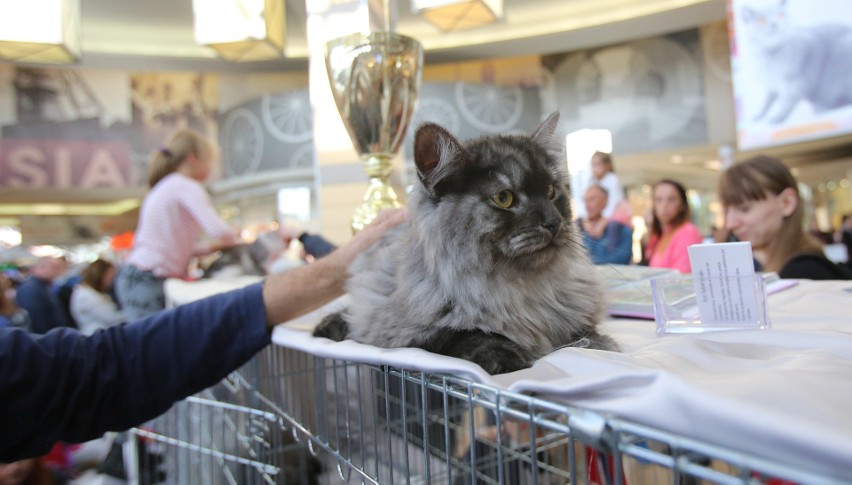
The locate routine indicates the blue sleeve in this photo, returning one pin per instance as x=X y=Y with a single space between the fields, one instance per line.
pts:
x=316 y=246
x=42 y=306
x=619 y=246
x=624 y=247
x=65 y=386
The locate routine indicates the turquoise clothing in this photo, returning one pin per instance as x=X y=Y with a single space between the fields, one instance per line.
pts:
x=615 y=246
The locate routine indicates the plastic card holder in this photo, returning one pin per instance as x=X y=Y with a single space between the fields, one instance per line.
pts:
x=729 y=303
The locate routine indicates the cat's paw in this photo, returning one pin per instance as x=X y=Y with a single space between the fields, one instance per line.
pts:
x=499 y=355
x=597 y=341
x=503 y=362
x=605 y=342
x=332 y=327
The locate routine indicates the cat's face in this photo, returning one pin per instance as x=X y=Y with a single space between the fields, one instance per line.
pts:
x=504 y=197
x=766 y=20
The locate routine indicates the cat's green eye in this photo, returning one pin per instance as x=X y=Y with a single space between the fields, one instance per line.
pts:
x=551 y=192
x=503 y=199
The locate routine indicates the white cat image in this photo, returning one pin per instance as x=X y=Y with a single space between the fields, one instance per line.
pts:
x=809 y=63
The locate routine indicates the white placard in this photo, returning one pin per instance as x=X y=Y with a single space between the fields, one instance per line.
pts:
x=723 y=274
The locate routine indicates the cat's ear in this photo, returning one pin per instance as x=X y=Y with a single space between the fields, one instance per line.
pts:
x=545 y=134
x=434 y=150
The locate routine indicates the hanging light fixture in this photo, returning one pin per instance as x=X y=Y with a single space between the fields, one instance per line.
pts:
x=40 y=31
x=241 y=30
x=450 y=15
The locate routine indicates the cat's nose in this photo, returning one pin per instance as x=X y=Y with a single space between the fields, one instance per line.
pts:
x=551 y=227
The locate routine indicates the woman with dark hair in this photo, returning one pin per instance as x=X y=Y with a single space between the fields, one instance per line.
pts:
x=762 y=205
x=671 y=230
x=91 y=304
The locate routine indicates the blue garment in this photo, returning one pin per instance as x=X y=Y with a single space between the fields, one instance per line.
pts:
x=141 y=292
x=316 y=246
x=36 y=297
x=63 y=292
x=19 y=319
x=65 y=386
x=615 y=246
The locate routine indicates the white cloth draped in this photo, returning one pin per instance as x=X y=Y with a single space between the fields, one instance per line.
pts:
x=782 y=394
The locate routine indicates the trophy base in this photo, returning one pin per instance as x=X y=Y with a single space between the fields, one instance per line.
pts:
x=380 y=195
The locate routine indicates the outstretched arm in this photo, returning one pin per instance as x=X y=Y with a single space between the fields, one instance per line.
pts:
x=65 y=386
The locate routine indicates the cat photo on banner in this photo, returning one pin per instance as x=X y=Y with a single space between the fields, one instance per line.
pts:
x=791 y=71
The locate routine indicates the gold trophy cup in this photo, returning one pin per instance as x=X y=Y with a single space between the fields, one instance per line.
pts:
x=375 y=79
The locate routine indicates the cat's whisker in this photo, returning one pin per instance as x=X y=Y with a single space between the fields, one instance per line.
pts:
x=575 y=241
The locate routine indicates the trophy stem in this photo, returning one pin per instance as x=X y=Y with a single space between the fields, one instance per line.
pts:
x=380 y=195
x=375 y=79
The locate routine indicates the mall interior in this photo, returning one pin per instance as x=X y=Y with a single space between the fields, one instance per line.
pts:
x=669 y=80
x=91 y=91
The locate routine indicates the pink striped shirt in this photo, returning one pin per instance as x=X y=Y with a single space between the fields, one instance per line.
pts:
x=171 y=219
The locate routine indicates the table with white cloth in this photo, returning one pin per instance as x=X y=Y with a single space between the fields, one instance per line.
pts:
x=780 y=393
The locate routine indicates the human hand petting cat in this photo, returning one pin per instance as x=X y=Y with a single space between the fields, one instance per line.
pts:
x=384 y=221
x=300 y=290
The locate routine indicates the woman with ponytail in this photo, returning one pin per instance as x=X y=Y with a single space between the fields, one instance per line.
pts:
x=173 y=215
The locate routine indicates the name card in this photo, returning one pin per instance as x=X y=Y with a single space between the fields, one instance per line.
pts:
x=723 y=274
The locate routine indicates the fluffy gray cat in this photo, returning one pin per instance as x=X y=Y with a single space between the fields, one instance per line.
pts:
x=489 y=268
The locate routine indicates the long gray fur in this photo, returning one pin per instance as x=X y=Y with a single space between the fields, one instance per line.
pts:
x=462 y=264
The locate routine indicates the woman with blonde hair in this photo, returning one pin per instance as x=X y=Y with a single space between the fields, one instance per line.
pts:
x=173 y=216
x=603 y=174
x=762 y=205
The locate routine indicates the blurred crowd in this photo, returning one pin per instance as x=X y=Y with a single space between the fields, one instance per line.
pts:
x=761 y=204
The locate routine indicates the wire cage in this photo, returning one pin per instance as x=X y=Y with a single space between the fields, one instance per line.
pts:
x=291 y=417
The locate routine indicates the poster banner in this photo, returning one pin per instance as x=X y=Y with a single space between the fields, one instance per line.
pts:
x=791 y=71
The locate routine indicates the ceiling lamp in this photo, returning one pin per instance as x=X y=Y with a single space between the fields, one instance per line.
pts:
x=40 y=31
x=449 y=15
x=241 y=30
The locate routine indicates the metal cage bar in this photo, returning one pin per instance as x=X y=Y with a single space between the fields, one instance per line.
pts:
x=291 y=417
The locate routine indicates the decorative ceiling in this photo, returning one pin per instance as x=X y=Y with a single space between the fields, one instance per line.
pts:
x=115 y=34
